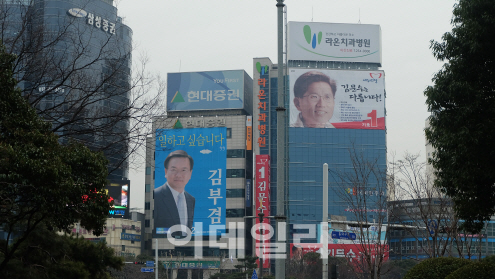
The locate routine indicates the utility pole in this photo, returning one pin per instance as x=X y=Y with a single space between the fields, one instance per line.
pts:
x=281 y=129
x=324 y=227
x=262 y=243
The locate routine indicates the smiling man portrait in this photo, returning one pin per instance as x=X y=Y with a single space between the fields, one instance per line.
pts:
x=314 y=98
x=173 y=205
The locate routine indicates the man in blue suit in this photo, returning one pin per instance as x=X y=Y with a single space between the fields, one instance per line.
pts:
x=173 y=205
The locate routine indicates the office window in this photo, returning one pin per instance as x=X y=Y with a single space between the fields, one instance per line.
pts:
x=234 y=212
x=235 y=193
x=148 y=170
x=147 y=223
x=123 y=248
x=147 y=188
x=236 y=153
x=229 y=133
x=235 y=173
x=147 y=206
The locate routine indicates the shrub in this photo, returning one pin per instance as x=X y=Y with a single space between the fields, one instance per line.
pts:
x=436 y=268
x=476 y=270
x=490 y=259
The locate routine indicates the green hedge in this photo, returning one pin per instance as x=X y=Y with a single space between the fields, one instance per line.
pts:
x=437 y=268
x=476 y=270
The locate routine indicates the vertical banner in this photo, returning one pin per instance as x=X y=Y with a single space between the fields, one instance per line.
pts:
x=192 y=162
x=248 y=192
x=263 y=202
x=263 y=108
x=249 y=133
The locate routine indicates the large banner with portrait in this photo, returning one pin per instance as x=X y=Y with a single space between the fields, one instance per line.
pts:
x=190 y=181
x=341 y=99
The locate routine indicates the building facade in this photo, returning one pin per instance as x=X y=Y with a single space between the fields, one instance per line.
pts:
x=123 y=235
x=356 y=128
x=209 y=118
x=428 y=228
x=74 y=66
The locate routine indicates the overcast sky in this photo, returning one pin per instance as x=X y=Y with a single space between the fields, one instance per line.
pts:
x=206 y=35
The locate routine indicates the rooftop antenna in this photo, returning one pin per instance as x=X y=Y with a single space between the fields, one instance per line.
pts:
x=359 y=21
x=311 y=13
x=180 y=64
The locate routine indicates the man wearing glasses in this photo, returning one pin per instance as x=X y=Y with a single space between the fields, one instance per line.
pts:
x=314 y=97
x=173 y=205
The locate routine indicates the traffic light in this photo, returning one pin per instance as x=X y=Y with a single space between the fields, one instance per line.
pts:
x=139 y=263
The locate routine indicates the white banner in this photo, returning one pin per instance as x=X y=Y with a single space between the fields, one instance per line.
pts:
x=316 y=41
x=337 y=99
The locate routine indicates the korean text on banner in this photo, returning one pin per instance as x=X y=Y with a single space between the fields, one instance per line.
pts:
x=263 y=202
x=190 y=163
x=340 y=99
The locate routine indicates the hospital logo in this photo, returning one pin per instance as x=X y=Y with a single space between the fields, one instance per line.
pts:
x=263 y=70
x=311 y=37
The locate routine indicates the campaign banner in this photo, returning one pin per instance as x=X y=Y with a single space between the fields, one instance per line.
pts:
x=340 y=99
x=354 y=253
x=205 y=90
x=262 y=197
x=316 y=41
x=119 y=195
x=190 y=163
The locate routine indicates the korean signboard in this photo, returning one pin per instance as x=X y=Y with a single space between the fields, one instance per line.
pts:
x=371 y=235
x=263 y=107
x=131 y=237
x=337 y=99
x=190 y=264
x=95 y=20
x=205 y=90
x=352 y=252
x=190 y=181
x=316 y=41
x=262 y=197
x=249 y=133
x=119 y=194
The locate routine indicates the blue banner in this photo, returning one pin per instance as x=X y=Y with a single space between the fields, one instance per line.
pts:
x=205 y=90
x=131 y=237
x=190 y=163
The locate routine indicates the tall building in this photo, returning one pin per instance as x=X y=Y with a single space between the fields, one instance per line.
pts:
x=74 y=66
x=345 y=59
x=209 y=119
x=340 y=108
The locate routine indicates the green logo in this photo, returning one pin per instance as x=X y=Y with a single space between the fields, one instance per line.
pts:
x=261 y=69
x=177 y=125
x=310 y=37
x=177 y=98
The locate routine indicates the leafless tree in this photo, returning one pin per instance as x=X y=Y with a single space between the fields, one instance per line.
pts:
x=427 y=213
x=363 y=187
x=79 y=75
